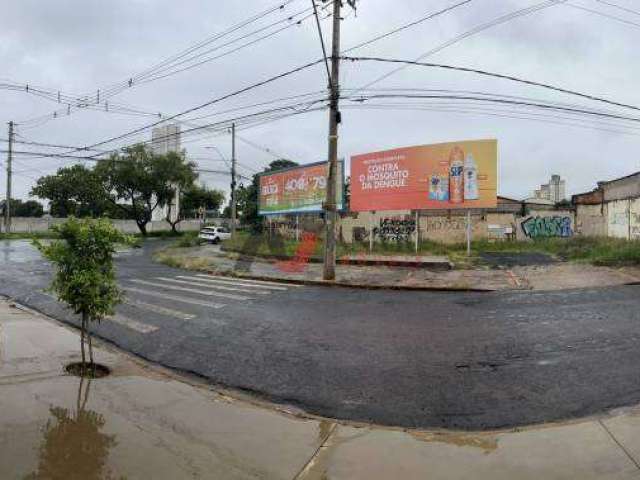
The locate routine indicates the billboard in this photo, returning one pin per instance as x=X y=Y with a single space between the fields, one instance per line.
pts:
x=441 y=176
x=298 y=189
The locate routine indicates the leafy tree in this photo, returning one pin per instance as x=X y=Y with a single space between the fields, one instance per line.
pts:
x=84 y=272
x=247 y=203
x=30 y=208
x=75 y=190
x=196 y=196
x=139 y=181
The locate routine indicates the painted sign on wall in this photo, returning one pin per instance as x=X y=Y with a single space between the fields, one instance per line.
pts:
x=297 y=189
x=441 y=176
x=542 y=227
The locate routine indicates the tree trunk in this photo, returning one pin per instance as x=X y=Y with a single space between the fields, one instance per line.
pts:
x=90 y=347
x=143 y=228
x=83 y=331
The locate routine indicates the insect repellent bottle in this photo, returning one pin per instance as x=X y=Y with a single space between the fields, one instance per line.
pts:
x=470 y=172
x=456 y=178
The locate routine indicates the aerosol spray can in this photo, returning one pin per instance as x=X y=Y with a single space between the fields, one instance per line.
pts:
x=470 y=171
x=456 y=178
x=439 y=183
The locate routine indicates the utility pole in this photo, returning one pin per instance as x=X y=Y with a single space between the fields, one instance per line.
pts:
x=7 y=203
x=233 y=179
x=329 y=269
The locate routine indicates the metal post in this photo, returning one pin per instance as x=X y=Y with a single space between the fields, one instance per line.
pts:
x=7 y=203
x=417 y=230
x=233 y=179
x=370 y=232
x=468 y=233
x=297 y=228
x=329 y=268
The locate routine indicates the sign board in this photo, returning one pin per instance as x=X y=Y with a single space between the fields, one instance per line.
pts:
x=441 y=176
x=298 y=189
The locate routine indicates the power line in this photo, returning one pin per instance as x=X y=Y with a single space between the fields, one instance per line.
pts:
x=619 y=7
x=602 y=14
x=473 y=31
x=495 y=75
x=408 y=25
x=324 y=50
x=502 y=101
x=210 y=102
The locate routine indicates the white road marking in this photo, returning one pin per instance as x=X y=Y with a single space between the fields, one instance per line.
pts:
x=238 y=282
x=174 y=298
x=158 y=309
x=200 y=283
x=248 y=280
x=191 y=290
x=132 y=324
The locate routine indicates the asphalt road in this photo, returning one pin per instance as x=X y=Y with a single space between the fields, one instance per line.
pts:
x=413 y=359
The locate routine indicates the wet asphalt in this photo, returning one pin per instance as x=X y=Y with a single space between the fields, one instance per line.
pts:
x=411 y=359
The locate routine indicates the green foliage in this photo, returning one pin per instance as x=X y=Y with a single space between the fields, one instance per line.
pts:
x=139 y=181
x=188 y=239
x=196 y=197
x=20 y=208
x=83 y=259
x=75 y=190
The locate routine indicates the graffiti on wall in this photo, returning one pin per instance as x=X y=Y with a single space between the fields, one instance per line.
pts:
x=395 y=229
x=540 y=227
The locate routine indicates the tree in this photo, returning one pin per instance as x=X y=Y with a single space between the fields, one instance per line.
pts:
x=75 y=190
x=84 y=273
x=196 y=197
x=30 y=208
x=140 y=181
x=248 y=196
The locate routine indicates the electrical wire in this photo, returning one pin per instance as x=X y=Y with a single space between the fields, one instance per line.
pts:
x=473 y=31
x=496 y=75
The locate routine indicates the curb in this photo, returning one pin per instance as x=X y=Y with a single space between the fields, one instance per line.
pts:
x=432 y=266
x=362 y=286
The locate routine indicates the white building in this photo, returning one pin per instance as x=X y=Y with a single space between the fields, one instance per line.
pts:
x=166 y=139
x=553 y=191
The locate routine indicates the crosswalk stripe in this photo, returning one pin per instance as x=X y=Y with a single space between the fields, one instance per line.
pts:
x=231 y=282
x=158 y=309
x=191 y=290
x=191 y=301
x=132 y=324
x=201 y=283
x=248 y=280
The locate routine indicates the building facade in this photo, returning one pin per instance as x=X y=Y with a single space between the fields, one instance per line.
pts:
x=165 y=139
x=553 y=191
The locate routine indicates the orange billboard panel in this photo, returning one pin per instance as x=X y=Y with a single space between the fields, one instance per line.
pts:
x=441 y=176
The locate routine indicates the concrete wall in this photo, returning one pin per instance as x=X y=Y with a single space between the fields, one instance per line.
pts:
x=591 y=220
x=39 y=225
x=623 y=218
x=622 y=189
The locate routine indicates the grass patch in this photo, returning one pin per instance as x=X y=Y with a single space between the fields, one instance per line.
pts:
x=595 y=250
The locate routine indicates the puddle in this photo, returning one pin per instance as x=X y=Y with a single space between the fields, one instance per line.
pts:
x=484 y=442
x=73 y=445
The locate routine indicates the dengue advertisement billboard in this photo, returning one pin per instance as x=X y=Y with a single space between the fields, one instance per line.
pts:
x=298 y=189
x=441 y=176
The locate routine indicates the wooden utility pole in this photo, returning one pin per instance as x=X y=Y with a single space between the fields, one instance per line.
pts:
x=233 y=179
x=330 y=216
x=7 y=203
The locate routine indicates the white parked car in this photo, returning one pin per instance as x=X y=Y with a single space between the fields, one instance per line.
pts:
x=214 y=234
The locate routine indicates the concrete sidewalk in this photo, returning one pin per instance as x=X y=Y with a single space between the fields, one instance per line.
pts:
x=143 y=422
x=556 y=276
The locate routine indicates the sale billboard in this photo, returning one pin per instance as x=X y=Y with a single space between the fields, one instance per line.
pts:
x=441 y=176
x=298 y=189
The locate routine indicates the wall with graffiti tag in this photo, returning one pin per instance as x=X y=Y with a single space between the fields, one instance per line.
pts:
x=552 y=225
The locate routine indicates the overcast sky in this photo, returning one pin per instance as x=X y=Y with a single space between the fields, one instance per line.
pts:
x=78 y=46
